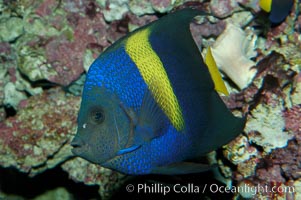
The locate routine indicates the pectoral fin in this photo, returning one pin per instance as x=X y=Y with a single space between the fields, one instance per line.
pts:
x=149 y=124
x=128 y=150
x=151 y=119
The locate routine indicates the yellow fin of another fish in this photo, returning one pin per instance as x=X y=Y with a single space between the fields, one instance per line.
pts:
x=215 y=74
x=266 y=5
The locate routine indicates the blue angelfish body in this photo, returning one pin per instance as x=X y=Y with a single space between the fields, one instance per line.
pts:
x=149 y=103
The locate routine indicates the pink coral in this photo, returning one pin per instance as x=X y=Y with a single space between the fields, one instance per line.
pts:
x=267 y=88
x=161 y=5
x=5 y=48
x=91 y=174
x=41 y=128
x=292 y=118
x=208 y=29
x=289 y=159
x=272 y=78
x=223 y=8
x=66 y=57
x=46 y=8
x=270 y=174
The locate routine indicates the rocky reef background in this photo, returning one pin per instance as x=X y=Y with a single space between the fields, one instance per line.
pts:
x=46 y=47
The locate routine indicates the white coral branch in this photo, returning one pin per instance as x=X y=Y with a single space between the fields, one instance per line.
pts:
x=232 y=52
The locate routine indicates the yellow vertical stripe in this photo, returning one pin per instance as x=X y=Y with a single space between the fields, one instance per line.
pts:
x=152 y=70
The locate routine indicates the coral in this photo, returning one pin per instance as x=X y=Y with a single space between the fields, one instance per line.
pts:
x=246 y=168
x=272 y=127
x=222 y=8
x=270 y=174
x=250 y=4
x=37 y=138
x=115 y=10
x=13 y=87
x=10 y=29
x=5 y=50
x=136 y=22
x=297 y=186
x=226 y=8
x=295 y=97
x=163 y=6
x=292 y=118
x=265 y=127
x=57 y=193
x=91 y=174
x=141 y=7
x=207 y=29
x=288 y=159
x=32 y=62
x=235 y=62
x=55 y=42
x=248 y=193
x=242 y=19
x=12 y=96
x=239 y=150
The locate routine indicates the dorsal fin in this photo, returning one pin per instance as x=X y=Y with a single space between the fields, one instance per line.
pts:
x=219 y=84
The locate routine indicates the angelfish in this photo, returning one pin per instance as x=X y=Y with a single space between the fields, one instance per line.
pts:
x=150 y=103
x=278 y=9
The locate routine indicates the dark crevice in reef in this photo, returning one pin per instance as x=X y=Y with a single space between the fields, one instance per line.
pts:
x=13 y=182
x=10 y=111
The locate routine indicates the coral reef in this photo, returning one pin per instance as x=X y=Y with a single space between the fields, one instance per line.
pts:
x=38 y=137
x=53 y=35
x=272 y=129
x=237 y=61
x=91 y=174
x=115 y=10
x=10 y=29
x=46 y=47
x=239 y=150
x=264 y=123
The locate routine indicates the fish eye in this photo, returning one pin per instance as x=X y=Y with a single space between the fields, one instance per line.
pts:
x=97 y=115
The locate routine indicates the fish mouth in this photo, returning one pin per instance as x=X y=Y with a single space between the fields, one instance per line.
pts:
x=79 y=147
x=84 y=150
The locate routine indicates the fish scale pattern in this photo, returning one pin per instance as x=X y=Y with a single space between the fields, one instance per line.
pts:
x=152 y=70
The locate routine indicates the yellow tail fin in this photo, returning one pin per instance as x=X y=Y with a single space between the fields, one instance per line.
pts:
x=266 y=5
